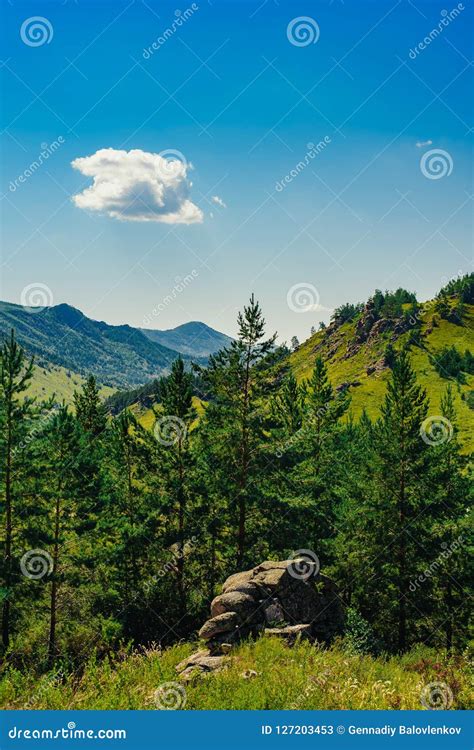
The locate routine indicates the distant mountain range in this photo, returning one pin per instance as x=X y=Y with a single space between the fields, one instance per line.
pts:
x=119 y=356
x=192 y=339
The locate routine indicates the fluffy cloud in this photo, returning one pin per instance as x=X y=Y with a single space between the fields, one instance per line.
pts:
x=218 y=201
x=138 y=186
x=422 y=144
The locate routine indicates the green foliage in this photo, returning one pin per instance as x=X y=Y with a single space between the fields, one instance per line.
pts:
x=451 y=363
x=142 y=525
x=461 y=287
x=359 y=636
x=346 y=312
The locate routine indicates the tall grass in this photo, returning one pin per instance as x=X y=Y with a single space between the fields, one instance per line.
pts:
x=265 y=674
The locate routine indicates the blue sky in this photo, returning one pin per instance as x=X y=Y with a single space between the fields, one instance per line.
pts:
x=240 y=101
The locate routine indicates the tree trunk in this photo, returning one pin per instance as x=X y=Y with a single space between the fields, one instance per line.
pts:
x=181 y=512
x=54 y=588
x=449 y=621
x=8 y=533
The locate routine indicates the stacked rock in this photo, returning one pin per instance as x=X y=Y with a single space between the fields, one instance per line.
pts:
x=278 y=594
x=289 y=599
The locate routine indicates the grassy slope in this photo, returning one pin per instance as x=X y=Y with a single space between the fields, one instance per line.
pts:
x=60 y=381
x=370 y=393
x=304 y=677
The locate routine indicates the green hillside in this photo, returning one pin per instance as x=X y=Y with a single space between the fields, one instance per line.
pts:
x=362 y=369
x=53 y=379
x=118 y=356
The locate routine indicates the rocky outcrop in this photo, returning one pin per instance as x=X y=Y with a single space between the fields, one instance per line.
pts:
x=291 y=596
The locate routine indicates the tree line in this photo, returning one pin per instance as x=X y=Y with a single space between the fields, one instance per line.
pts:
x=115 y=534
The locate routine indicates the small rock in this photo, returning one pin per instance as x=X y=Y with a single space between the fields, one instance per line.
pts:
x=249 y=674
x=291 y=633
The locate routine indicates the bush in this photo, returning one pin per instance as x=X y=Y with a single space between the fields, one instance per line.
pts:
x=359 y=637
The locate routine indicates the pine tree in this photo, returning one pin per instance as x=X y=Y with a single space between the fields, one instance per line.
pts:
x=238 y=378
x=16 y=413
x=172 y=433
x=90 y=411
x=403 y=498
x=63 y=484
x=451 y=530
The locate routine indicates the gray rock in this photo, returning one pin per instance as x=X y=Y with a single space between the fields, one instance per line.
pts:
x=223 y=623
x=233 y=601
x=291 y=633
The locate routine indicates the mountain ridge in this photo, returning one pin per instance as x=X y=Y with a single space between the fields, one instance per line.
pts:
x=119 y=356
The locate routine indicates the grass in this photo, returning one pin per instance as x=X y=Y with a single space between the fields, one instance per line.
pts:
x=302 y=677
x=370 y=394
x=60 y=381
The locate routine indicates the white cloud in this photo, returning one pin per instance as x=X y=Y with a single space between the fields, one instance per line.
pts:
x=218 y=201
x=138 y=186
x=318 y=308
x=422 y=144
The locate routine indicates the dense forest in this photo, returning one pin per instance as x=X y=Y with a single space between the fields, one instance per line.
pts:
x=114 y=534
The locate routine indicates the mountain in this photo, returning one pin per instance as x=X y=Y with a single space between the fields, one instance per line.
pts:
x=119 y=356
x=194 y=339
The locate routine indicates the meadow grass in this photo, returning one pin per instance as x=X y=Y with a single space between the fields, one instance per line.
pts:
x=303 y=677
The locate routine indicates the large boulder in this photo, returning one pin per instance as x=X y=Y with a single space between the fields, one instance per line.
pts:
x=285 y=593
